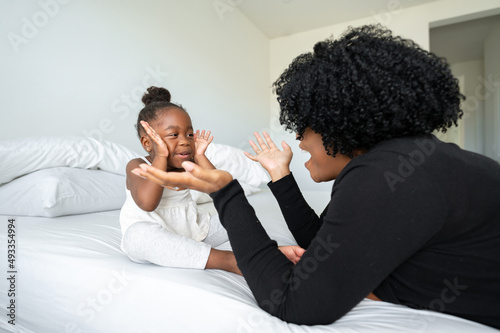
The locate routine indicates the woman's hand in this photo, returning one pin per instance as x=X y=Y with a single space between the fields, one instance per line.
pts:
x=159 y=146
x=202 y=141
x=292 y=252
x=195 y=177
x=275 y=161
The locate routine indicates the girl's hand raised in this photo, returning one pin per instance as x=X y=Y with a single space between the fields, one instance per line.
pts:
x=202 y=141
x=159 y=146
x=274 y=160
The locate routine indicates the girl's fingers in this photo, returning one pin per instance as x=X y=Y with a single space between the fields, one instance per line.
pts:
x=204 y=135
x=151 y=132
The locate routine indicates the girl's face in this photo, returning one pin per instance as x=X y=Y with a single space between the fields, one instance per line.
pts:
x=174 y=127
x=322 y=167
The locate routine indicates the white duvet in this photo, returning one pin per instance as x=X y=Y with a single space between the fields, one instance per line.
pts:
x=72 y=277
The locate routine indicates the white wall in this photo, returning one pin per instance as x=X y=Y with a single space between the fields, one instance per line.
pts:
x=413 y=22
x=473 y=106
x=81 y=67
x=491 y=93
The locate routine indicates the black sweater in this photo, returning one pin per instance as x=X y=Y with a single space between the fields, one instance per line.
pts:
x=415 y=221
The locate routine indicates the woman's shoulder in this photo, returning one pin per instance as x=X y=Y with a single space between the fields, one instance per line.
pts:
x=392 y=159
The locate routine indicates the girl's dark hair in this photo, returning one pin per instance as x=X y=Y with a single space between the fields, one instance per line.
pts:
x=156 y=100
x=366 y=87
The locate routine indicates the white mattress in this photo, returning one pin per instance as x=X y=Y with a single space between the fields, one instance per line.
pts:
x=72 y=277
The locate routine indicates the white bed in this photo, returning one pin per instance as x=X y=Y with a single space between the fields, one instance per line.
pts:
x=71 y=276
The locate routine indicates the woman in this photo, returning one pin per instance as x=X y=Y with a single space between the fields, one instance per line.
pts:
x=412 y=220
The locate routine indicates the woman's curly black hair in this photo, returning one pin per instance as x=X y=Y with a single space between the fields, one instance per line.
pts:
x=366 y=87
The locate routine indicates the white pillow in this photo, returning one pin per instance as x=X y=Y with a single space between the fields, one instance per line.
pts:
x=250 y=174
x=62 y=191
x=22 y=156
x=234 y=161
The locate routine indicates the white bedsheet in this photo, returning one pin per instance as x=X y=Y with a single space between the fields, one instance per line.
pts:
x=72 y=277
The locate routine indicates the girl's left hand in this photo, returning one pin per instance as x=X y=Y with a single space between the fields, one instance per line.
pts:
x=292 y=252
x=202 y=141
x=159 y=146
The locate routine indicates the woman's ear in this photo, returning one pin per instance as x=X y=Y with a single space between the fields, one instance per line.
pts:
x=146 y=143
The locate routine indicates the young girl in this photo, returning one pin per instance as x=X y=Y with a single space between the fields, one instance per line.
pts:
x=162 y=225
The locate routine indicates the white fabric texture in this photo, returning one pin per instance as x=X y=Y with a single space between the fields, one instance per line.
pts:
x=234 y=161
x=73 y=277
x=22 y=156
x=170 y=235
x=176 y=212
x=62 y=191
x=147 y=242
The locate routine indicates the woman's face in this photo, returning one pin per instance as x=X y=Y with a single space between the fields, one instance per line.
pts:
x=321 y=166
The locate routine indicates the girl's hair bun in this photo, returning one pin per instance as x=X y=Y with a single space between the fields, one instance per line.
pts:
x=156 y=94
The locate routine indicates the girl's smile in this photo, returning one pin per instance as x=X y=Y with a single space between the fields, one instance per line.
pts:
x=174 y=127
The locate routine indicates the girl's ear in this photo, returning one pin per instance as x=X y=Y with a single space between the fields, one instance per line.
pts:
x=146 y=143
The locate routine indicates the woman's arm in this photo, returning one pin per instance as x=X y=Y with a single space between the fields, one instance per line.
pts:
x=275 y=161
x=301 y=219
x=351 y=254
x=365 y=236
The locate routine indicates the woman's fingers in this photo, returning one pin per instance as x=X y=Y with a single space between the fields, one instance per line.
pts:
x=263 y=145
x=250 y=156
x=256 y=149
x=148 y=172
x=285 y=145
x=269 y=141
x=260 y=141
x=195 y=178
x=207 y=181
